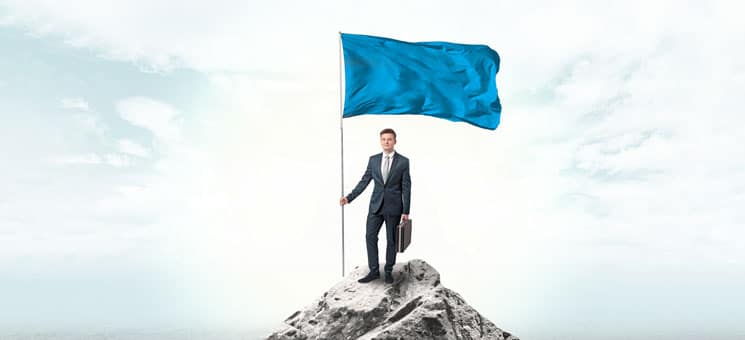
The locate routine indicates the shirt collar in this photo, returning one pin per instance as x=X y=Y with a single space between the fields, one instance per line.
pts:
x=389 y=154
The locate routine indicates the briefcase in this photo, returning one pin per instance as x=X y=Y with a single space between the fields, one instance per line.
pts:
x=403 y=235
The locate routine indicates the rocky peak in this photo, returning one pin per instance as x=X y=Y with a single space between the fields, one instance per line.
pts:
x=415 y=306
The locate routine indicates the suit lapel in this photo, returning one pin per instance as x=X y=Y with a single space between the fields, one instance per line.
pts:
x=393 y=164
x=376 y=166
x=394 y=161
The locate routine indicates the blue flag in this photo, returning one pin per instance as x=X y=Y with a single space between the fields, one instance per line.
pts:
x=440 y=79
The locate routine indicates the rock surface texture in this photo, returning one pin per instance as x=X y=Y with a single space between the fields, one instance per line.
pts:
x=415 y=306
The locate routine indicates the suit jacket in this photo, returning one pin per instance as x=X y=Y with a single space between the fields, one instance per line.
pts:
x=394 y=196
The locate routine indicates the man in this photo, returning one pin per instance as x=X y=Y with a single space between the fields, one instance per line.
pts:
x=389 y=202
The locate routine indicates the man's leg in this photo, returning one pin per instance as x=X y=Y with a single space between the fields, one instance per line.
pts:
x=374 y=222
x=391 y=222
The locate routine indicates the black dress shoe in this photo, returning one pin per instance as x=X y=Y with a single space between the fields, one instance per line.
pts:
x=369 y=277
x=388 y=277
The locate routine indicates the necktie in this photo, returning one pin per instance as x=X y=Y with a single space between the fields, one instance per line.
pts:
x=386 y=169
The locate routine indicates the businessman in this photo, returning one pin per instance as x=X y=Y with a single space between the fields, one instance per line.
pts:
x=389 y=203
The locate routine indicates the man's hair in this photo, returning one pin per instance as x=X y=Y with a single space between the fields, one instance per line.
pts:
x=388 y=131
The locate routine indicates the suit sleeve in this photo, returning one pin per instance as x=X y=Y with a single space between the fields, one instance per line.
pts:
x=366 y=178
x=406 y=189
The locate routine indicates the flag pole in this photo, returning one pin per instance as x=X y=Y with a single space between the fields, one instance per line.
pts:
x=341 y=125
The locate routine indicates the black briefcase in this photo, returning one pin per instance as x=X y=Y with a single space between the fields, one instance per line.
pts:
x=403 y=235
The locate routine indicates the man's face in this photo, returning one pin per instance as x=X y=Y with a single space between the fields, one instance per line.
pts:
x=387 y=141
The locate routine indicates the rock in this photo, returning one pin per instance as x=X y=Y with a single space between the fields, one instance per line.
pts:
x=415 y=306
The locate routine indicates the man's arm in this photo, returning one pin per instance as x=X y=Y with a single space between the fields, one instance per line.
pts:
x=364 y=181
x=406 y=190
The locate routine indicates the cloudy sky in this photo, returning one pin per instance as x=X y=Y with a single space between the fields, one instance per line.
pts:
x=175 y=165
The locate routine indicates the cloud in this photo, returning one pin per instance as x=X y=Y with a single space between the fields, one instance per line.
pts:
x=135 y=32
x=158 y=117
x=91 y=123
x=133 y=148
x=110 y=159
x=78 y=159
x=75 y=104
x=84 y=116
x=155 y=116
x=117 y=160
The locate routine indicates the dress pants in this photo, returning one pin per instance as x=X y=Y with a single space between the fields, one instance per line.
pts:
x=374 y=223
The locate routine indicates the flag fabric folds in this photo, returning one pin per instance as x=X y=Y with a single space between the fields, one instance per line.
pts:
x=440 y=79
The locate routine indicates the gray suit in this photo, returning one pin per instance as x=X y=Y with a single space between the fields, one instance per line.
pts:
x=388 y=201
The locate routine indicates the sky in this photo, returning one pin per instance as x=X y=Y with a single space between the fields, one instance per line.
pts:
x=174 y=165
